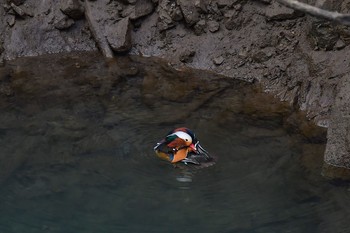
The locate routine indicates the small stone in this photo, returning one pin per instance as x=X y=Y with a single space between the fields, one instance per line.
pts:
x=230 y=14
x=138 y=10
x=128 y=11
x=218 y=60
x=187 y=56
x=224 y=3
x=64 y=23
x=165 y=20
x=18 y=10
x=73 y=8
x=233 y=23
x=201 y=5
x=28 y=11
x=189 y=11
x=213 y=26
x=260 y=57
x=176 y=14
x=199 y=28
x=280 y=12
x=11 y=20
x=143 y=8
x=238 y=7
x=339 y=45
x=6 y=7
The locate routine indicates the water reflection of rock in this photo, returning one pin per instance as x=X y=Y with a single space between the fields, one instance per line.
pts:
x=79 y=107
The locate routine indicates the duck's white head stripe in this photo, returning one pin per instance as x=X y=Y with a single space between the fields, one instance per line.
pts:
x=184 y=136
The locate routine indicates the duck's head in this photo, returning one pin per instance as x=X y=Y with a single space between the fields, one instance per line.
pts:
x=182 y=145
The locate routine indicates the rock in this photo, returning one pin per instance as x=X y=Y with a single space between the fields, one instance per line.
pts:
x=72 y=8
x=201 y=5
x=218 y=60
x=7 y=7
x=337 y=152
x=28 y=10
x=324 y=35
x=128 y=11
x=260 y=57
x=64 y=23
x=213 y=26
x=199 y=27
x=189 y=11
x=166 y=12
x=224 y=3
x=233 y=23
x=139 y=10
x=187 y=56
x=11 y=20
x=277 y=11
x=94 y=16
x=213 y=8
x=119 y=36
x=176 y=14
x=17 y=2
x=339 y=45
x=18 y=10
x=238 y=7
x=143 y=8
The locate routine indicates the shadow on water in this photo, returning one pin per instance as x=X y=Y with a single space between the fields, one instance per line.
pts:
x=76 y=138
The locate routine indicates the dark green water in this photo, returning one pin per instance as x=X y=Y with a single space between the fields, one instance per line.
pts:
x=77 y=136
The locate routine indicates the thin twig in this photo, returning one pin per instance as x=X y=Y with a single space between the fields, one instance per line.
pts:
x=317 y=12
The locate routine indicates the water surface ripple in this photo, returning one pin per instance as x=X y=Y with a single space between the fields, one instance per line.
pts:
x=76 y=139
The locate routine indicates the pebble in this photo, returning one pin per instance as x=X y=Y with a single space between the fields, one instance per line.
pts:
x=11 y=20
x=19 y=11
x=218 y=60
x=340 y=45
x=213 y=26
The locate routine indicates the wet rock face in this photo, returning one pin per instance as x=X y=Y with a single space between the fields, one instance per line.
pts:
x=338 y=149
x=32 y=28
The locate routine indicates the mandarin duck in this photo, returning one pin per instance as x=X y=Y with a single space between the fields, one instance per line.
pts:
x=181 y=145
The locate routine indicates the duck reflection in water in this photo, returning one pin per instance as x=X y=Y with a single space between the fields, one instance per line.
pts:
x=181 y=145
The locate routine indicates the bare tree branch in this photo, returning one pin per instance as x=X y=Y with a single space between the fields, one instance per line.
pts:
x=317 y=12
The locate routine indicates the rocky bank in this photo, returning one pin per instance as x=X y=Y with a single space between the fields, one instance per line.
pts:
x=300 y=59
